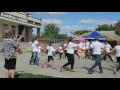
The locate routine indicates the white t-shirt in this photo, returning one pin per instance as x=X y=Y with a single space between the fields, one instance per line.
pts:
x=61 y=51
x=36 y=42
x=108 y=47
x=35 y=47
x=76 y=45
x=50 y=50
x=81 y=45
x=65 y=46
x=70 y=48
x=117 y=51
x=86 y=45
x=39 y=49
x=97 y=46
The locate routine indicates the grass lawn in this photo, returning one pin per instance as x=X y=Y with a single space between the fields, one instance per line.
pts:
x=28 y=75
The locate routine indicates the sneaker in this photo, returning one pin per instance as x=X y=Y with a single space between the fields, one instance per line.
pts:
x=89 y=71
x=115 y=71
x=72 y=71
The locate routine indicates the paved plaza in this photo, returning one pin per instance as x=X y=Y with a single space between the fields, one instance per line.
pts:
x=81 y=67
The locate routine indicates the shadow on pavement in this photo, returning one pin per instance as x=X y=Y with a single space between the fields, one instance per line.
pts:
x=108 y=69
x=85 y=68
x=66 y=69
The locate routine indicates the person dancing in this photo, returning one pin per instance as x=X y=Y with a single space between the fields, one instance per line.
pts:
x=70 y=54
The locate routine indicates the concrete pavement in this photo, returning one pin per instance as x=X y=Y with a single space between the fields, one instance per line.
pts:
x=81 y=67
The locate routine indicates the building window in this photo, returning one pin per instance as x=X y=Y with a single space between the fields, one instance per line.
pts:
x=37 y=23
x=29 y=21
x=13 y=29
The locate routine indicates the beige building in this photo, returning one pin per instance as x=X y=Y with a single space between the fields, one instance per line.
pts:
x=20 y=23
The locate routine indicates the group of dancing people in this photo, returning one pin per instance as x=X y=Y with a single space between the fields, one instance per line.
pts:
x=95 y=50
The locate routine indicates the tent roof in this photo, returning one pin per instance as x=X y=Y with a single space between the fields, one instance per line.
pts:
x=93 y=35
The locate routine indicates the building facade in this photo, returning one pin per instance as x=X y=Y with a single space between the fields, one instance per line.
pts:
x=20 y=23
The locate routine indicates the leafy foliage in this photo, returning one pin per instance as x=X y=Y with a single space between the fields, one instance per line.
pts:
x=77 y=33
x=117 y=26
x=104 y=27
x=52 y=31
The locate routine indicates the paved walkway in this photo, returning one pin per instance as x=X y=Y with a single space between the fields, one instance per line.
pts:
x=81 y=68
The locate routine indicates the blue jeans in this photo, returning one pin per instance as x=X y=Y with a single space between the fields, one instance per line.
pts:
x=97 y=62
x=31 y=60
x=35 y=55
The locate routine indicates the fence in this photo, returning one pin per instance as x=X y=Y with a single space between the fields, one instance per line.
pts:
x=52 y=40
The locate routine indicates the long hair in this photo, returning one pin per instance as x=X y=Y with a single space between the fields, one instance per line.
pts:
x=50 y=44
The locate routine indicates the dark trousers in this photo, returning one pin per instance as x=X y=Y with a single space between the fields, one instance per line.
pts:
x=118 y=59
x=65 y=53
x=70 y=61
x=75 y=52
x=60 y=55
x=104 y=58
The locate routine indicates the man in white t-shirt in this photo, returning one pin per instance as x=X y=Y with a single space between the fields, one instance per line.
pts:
x=35 y=49
x=96 y=46
x=107 y=47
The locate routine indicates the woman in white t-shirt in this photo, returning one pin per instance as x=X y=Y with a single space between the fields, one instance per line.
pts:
x=70 y=54
x=117 y=49
x=50 y=52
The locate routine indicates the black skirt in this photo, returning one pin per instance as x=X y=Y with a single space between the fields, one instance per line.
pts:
x=10 y=64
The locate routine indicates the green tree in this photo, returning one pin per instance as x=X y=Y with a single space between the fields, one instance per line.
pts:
x=104 y=27
x=80 y=32
x=117 y=26
x=51 y=31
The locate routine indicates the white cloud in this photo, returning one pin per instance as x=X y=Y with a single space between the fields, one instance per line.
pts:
x=53 y=13
x=90 y=21
x=53 y=21
x=75 y=27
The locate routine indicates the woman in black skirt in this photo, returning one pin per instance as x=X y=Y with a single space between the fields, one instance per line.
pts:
x=9 y=53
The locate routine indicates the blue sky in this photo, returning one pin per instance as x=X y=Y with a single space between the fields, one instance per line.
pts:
x=73 y=21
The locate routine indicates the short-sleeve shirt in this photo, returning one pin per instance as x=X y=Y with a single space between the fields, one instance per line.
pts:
x=70 y=48
x=117 y=51
x=97 y=46
x=108 y=47
x=61 y=51
x=50 y=50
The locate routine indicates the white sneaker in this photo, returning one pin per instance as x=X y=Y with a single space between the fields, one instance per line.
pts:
x=115 y=71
